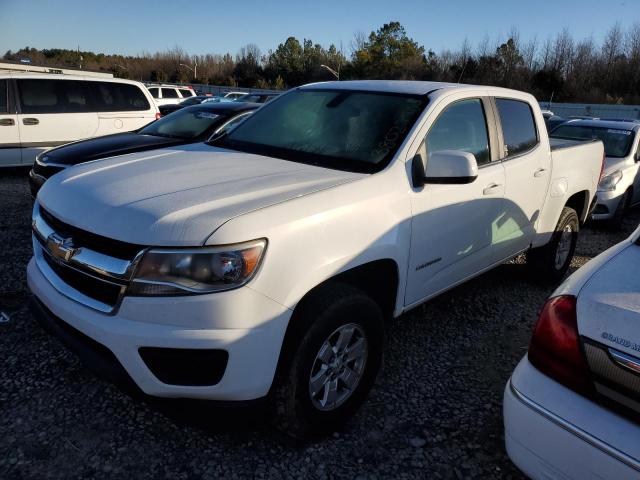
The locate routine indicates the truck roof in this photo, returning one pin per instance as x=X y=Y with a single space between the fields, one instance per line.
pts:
x=412 y=87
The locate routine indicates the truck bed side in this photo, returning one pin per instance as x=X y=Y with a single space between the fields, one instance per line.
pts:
x=575 y=173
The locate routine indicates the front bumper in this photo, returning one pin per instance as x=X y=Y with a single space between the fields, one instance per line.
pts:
x=247 y=325
x=554 y=433
x=606 y=205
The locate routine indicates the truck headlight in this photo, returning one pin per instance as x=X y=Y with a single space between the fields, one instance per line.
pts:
x=609 y=182
x=164 y=272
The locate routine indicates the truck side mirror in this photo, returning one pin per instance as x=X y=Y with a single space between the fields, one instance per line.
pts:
x=445 y=167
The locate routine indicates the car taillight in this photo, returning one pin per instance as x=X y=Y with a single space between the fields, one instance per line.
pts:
x=158 y=115
x=555 y=346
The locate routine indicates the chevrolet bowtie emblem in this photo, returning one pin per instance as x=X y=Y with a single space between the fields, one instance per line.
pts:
x=60 y=248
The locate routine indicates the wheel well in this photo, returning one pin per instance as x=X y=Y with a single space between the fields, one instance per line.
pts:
x=578 y=201
x=378 y=279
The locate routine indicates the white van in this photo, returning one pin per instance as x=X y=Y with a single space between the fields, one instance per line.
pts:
x=40 y=111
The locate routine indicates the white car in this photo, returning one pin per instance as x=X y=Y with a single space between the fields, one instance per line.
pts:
x=39 y=111
x=571 y=406
x=264 y=262
x=234 y=95
x=620 y=185
x=170 y=94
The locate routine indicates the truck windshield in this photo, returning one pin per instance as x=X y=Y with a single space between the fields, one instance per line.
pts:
x=341 y=129
x=617 y=143
x=187 y=123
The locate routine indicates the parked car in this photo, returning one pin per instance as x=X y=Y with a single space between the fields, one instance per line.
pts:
x=170 y=94
x=172 y=107
x=547 y=114
x=190 y=125
x=39 y=111
x=234 y=95
x=257 y=97
x=263 y=263
x=555 y=121
x=620 y=185
x=571 y=406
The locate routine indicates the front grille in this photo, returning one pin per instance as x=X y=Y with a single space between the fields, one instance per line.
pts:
x=98 y=243
x=102 y=291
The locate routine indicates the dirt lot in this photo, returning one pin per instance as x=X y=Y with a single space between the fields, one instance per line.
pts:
x=435 y=413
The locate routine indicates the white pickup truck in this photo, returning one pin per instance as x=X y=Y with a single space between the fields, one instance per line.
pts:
x=264 y=264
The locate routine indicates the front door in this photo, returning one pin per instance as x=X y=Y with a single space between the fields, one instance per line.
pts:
x=10 y=154
x=453 y=226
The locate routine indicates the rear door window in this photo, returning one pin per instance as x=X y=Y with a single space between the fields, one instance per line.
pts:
x=4 y=96
x=153 y=92
x=53 y=96
x=462 y=126
x=118 y=97
x=169 y=93
x=518 y=126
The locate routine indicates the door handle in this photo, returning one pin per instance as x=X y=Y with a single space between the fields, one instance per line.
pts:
x=541 y=172
x=7 y=122
x=490 y=189
x=30 y=121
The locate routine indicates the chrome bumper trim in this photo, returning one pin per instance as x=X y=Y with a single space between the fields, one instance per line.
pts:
x=576 y=431
x=110 y=270
x=85 y=259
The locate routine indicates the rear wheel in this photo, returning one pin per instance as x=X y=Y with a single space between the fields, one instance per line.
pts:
x=550 y=263
x=331 y=364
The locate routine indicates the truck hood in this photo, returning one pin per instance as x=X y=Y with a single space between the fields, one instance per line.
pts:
x=177 y=196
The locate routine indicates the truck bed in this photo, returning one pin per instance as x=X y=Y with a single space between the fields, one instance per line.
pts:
x=562 y=143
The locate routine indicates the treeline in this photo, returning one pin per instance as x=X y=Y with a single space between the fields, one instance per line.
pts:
x=559 y=68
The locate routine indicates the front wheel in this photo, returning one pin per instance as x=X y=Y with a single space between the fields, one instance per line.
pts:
x=617 y=220
x=332 y=362
x=550 y=263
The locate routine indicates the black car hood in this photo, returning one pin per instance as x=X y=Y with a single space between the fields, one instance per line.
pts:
x=107 y=146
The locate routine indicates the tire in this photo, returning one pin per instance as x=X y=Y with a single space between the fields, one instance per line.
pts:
x=328 y=315
x=621 y=210
x=548 y=264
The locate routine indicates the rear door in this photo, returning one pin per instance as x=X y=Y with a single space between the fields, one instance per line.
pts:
x=121 y=107
x=53 y=112
x=10 y=152
x=527 y=166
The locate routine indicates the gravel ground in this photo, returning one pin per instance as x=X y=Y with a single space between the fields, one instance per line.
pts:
x=435 y=412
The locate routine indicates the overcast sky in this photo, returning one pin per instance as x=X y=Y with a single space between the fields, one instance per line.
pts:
x=132 y=27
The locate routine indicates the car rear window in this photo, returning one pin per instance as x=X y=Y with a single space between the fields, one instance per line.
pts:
x=169 y=93
x=617 y=142
x=518 y=126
